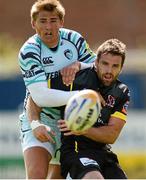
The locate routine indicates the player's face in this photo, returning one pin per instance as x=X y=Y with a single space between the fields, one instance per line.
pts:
x=47 y=27
x=108 y=68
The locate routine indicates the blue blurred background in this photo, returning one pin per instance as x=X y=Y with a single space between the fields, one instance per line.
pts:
x=12 y=91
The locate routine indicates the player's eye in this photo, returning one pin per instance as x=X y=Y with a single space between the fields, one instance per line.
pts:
x=54 y=20
x=43 y=21
x=104 y=63
x=116 y=65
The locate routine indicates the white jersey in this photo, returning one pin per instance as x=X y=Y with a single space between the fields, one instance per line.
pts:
x=39 y=63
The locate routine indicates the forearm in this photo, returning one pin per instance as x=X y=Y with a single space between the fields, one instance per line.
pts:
x=45 y=97
x=106 y=134
x=103 y=134
x=33 y=111
x=85 y=65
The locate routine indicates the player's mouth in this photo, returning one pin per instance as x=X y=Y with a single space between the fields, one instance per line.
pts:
x=107 y=79
x=48 y=34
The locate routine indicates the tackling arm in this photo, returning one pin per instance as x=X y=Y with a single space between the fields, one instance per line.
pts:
x=105 y=134
x=45 y=97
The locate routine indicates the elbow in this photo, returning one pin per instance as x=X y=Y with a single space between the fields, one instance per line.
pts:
x=39 y=93
x=112 y=139
x=39 y=100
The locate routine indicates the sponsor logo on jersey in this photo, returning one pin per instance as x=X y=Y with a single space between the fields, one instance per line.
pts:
x=48 y=61
x=68 y=54
x=29 y=73
x=53 y=75
x=110 y=101
x=88 y=161
x=100 y=121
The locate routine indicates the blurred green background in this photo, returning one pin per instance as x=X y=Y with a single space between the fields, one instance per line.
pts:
x=97 y=21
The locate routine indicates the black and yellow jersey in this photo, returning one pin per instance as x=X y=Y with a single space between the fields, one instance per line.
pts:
x=116 y=96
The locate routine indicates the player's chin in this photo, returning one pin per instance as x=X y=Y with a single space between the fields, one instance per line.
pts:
x=107 y=82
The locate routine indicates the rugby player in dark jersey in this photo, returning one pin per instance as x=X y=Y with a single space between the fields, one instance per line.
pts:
x=88 y=155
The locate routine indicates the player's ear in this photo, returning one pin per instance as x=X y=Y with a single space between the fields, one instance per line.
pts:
x=122 y=66
x=121 y=71
x=96 y=63
x=33 y=24
x=62 y=23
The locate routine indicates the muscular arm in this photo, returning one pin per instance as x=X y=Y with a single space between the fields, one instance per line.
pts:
x=106 y=134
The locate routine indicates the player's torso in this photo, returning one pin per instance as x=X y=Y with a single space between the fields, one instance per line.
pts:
x=112 y=95
x=87 y=79
x=53 y=61
x=71 y=47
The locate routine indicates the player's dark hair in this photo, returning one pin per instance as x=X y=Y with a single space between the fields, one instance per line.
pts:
x=112 y=46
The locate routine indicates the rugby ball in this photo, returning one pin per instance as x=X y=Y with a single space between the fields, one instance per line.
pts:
x=82 y=110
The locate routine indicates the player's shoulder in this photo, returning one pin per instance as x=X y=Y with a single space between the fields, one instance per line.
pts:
x=30 y=49
x=122 y=88
x=65 y=33
x=86 y=78
x=32 y=42
x=88 y=72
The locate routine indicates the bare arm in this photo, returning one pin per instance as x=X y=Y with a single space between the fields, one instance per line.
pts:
x=104 y=134
x=33 y=111
x=40 y=131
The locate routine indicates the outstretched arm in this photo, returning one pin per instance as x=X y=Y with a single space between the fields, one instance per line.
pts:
x=105 y=134
x=45 y=97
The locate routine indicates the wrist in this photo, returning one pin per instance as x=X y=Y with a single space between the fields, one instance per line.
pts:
x=85 y=65
x=85 y=133
x=34 y=124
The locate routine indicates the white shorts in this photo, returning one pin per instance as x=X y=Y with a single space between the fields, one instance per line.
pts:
x=28 y=140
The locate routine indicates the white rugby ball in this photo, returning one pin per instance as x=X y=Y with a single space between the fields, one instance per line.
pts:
x=82 y=110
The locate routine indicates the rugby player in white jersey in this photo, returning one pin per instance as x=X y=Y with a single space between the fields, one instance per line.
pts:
x=41 y=57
